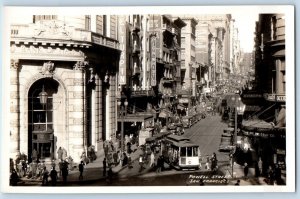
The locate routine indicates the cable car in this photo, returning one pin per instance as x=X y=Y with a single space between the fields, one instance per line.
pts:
x=181 y=153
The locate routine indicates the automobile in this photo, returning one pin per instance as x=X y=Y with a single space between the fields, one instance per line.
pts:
x=209 y=106
x=225 y=115
x=228 y=132
x=231 y=123
x=224 y=103
x=187 y=121
x=226 y=144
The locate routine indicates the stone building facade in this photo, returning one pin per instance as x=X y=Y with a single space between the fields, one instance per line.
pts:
x=63 y=82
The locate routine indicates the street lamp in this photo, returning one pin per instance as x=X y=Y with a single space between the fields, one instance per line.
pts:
x=236 y=99
x=123 y=111
x=43 y=97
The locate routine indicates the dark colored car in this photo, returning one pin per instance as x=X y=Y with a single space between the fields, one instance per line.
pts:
x=226 y=144
x=224 y=103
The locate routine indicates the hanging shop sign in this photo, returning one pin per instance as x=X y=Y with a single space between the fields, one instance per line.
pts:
x=274 y=97
x=153 y=61
x=123 y=48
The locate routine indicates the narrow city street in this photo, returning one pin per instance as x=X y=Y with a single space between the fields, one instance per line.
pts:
x=207 y=134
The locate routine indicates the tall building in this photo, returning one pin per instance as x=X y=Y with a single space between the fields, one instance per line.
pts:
x=188 y=60
x=268 y=123
x=218 y=40
x=149 y=68
x=63 y=80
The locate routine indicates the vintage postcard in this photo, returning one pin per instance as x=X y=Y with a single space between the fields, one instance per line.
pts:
x=148 y=99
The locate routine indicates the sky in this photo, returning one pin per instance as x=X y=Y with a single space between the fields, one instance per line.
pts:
x=246 y=25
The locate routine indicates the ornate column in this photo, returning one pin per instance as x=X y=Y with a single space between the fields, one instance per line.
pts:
x=77 y=112
x=14 y=109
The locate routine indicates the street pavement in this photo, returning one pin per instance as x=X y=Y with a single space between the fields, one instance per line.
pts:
x=206 y=133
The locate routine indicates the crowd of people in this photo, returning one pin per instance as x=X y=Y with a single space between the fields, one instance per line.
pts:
x=37 y=169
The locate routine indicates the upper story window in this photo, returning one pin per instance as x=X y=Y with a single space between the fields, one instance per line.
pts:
x=273 y=28
x=44 y=17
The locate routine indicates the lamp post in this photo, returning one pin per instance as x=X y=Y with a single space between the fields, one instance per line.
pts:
x=236 y=100
x=123 y=111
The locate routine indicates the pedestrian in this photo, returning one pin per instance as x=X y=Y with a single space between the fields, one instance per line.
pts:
x=40 y=168
x=260 y=166
x=59 y=154
x=60 y=166
x=65 y=171
x=34 y=155
x=215 y=156
x=207 y=163
x=249 y=157
x=34 y=168
x=110 y=175
x=246 y=170
x=45 y=176
x=158 y=170
x=201 y=183
x=129 y=162
x=53 y=164
x=24 y=167
x=81 y=167
x=115 y=157
x=14 y=178
x=104 y=167
x=257 y=174
x=128 y=147
x=125 y=160
x=152 y=160
x=141 y=162
x=64 y=154
x=271 y=175
x=237 y=183
x=277 y=174
x=53 y=176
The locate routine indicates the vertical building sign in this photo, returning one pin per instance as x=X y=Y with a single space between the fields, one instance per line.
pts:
x=153 y=61
x=123 y=47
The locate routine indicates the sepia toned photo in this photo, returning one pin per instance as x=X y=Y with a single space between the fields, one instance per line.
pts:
x=183 y=99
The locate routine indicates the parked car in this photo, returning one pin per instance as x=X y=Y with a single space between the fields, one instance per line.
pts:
x=225 y=115
x=228 y=132
x=187 y=121
x=226 y=144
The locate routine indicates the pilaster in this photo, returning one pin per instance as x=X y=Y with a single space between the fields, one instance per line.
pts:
x=14 y=109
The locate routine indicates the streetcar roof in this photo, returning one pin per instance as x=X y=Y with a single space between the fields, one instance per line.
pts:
x=180 y=141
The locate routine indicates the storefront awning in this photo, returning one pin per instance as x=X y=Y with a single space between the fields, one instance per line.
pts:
x=181 y=107
x=139 y=117
x=260 y=126
x=164 y=114
x=280 y=53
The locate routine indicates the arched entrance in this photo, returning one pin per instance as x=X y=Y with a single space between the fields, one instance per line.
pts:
x=40 y=118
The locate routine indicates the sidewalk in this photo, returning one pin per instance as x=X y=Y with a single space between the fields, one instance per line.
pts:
x=92 y=171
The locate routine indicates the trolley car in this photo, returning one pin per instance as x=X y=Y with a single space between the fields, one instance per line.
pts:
x=181 y=153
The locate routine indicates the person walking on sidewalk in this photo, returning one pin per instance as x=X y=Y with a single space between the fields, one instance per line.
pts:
x=59 y=154
x=207 y=163
x=65 y=172
x=141 y=162
x=152 y=160
x=104 y=167
x=110 y=175
x=246 y=170
x=81 y=167
x=45 y=176
x=53 y=176
x=129 y=162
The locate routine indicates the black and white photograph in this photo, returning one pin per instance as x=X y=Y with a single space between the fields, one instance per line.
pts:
x=149 y=99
